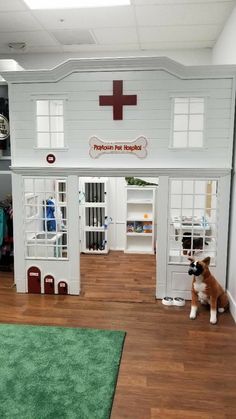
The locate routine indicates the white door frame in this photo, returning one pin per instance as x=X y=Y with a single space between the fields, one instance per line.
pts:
x=163 y=265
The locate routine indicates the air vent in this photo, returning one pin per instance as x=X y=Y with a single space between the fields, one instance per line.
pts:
x=17 y=45
x=74 y=37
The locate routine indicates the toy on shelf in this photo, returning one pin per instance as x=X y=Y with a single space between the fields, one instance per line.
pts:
x=147 y=227
x=138 y=228
x=138 y=182
x=130 y=227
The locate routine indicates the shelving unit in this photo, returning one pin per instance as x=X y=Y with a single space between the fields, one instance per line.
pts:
x=140 y=219
x=93 y=215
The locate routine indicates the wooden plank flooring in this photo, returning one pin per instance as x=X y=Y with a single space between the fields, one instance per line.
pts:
x=118 y=276
x=172 y=367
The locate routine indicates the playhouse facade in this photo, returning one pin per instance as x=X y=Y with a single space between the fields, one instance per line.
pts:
x=119 y=117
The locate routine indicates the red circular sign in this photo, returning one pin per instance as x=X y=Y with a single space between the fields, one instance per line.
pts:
x=51 y=158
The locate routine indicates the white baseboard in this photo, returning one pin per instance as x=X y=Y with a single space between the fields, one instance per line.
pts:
x=232 y=305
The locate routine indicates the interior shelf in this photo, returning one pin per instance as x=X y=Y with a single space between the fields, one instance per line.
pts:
x=140 y=213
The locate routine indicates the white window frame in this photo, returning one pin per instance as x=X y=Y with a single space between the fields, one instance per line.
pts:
x=31 y=206
x=187 y=96
x=64 y=99
x=32 y=231
x=183 y=259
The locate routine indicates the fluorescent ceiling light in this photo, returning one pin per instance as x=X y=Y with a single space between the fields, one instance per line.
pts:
x=73 y=4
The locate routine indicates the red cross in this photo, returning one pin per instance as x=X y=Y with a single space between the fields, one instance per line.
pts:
x=118 y=100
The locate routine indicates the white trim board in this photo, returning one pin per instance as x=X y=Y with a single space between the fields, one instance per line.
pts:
x=232 y=305
x=119 y=172
x=121 y=64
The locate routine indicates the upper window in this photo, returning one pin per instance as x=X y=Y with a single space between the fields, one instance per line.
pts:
x=188 y=122
x=50 y=123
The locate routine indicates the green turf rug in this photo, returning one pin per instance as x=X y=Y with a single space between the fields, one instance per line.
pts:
x=58 y=372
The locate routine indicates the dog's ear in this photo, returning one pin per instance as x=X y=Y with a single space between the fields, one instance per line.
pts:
x=207 y=260
x=191 y=259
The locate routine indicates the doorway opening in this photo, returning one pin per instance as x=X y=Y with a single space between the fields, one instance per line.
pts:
x=118 y=233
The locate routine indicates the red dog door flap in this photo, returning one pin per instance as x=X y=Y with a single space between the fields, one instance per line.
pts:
x=62 y=287
x=34 y=280
x=49 y=284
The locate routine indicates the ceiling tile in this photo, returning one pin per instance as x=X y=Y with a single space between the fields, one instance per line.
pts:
x=149 y=25
x=178 y=33
x=18 y=21
x=33 y=49
x=74 y=37
x=101 y=48
x=41 y=38
x=187 y=45
x=116 y=35
x=86 y=18
x=182 y=14
x=12 y=5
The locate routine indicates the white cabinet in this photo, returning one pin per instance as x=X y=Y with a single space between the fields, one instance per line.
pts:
x=93 y=215
x=140 y=219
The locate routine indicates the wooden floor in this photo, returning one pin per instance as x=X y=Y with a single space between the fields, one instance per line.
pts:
x=118 y=276
x=172 y=367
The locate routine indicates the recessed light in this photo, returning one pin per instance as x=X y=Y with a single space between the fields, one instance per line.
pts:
x=73 y=4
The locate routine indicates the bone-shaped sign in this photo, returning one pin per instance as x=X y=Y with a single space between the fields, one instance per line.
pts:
x=137 y=147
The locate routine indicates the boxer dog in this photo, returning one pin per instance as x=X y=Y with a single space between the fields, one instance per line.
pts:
x=206 y=289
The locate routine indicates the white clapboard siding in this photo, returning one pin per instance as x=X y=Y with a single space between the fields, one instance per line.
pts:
x=150 y=118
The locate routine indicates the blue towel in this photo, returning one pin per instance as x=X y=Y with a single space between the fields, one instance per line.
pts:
x=50 y=222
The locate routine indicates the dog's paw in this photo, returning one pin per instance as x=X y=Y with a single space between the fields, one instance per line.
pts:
x=193 y=313
x=213 y=317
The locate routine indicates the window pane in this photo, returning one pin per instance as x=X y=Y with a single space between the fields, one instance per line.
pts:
x=180 y=123
x=176 y=186
x=196 y=99
x=188 y=186
x=43 y=139
x=187 y=201
x=56 y=107
x=43 y=123
x=200 y=186
x=196 y=122
x=197 y=108
x=57 y=139
x=181 y=100
x=42 y=107
x=175 y=214
x=56 y=124
x=181 y=108
x=199 y=201
x=196 y=139
x=175 y=201
x=180 y=139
